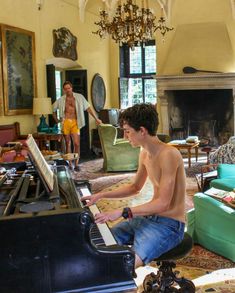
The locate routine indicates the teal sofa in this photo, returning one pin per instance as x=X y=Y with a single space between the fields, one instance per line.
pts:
x=225 y=177
x=211 y=224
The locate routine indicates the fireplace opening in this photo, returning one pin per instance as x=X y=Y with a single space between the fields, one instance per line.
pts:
x=207 y=114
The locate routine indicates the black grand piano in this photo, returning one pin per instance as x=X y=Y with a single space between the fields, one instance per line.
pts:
x=49 y=241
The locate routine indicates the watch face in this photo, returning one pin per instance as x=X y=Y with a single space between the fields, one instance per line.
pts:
x=125 y=213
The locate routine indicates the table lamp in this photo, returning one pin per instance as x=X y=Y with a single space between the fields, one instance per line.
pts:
x=42 y=106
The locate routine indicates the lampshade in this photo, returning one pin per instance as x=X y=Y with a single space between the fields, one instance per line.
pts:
x=42 y=106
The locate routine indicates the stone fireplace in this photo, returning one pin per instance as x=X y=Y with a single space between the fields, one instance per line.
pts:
x=201 y=105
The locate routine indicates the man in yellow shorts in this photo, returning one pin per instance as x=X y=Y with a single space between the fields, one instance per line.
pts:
x=71 y=108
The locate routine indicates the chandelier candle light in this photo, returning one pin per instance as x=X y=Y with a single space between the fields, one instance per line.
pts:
x=131 y=25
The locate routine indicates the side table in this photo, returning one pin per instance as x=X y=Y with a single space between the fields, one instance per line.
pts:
x=207 y=150
x=43 y=139
x=188 y=147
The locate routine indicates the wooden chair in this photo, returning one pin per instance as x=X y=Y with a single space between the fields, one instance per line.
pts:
x=11 y=133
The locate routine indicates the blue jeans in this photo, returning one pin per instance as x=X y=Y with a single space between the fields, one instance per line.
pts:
x=150 y=236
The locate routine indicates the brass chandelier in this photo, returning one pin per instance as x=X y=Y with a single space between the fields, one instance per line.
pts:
x=131 y=25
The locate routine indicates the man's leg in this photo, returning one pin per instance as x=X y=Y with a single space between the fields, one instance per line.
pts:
x=76 y=146
x=124 y=234
x=68 y=146
x=75 y=133
x=138 y=261
x=67 y=143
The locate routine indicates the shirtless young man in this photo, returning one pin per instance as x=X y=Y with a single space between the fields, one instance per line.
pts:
x=158 y=225
x=71 y=108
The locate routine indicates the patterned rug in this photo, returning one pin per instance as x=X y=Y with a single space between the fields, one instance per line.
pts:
x=199 y=264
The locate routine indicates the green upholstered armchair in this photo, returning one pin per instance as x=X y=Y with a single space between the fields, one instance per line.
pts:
x=211 y=224
x=118 y=153
x=164 y=137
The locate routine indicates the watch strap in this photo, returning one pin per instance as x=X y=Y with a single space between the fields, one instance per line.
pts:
x=127 y=213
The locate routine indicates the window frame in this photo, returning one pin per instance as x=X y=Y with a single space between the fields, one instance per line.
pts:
x=125 y=67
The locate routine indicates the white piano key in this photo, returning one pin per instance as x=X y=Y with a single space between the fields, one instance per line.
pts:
x=103 y=228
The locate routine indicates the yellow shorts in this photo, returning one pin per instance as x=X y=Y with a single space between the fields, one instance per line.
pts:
x=70 y=127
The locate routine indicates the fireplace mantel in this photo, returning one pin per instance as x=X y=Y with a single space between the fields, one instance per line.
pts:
x=195 y=81
x=167 y=83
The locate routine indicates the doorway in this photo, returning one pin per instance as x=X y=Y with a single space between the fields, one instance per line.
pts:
x=79 y=80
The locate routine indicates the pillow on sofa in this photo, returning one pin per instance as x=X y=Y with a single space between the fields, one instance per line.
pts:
x=226 y=171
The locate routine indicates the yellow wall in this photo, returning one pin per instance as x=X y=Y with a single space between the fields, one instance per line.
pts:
x=93 y=54
x=203 y=37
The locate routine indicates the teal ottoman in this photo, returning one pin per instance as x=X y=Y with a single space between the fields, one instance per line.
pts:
x=212 y=225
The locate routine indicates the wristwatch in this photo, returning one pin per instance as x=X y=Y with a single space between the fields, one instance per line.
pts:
x=127 y=213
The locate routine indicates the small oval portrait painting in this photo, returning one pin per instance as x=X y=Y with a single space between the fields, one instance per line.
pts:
x=98 y=92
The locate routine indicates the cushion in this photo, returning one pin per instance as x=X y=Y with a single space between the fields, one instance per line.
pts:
x=12 y=156
x=226 y=170
x=227 y=184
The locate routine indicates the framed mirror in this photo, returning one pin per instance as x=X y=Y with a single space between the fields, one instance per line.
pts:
x=98 y=92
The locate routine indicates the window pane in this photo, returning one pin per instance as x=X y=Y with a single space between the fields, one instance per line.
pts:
x=123 y=93
x=130 y=92
x=135 y=91
x=135 y=60
x=150 y=88
x=58 y=84
x=150 y=59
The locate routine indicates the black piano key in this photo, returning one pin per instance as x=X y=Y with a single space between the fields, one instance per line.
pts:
x=96 y=237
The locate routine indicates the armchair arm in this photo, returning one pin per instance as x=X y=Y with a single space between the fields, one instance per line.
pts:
x=208 y=168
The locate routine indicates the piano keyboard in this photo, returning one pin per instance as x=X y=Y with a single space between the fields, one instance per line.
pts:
x=102 y=234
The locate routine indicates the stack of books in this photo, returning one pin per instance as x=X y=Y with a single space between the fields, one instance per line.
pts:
x=227 y=197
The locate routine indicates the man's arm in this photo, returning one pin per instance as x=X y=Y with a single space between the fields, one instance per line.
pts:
x=97 y=120
x=55 y=107
x=124 y=191
x=54 y=115
x=162 y=194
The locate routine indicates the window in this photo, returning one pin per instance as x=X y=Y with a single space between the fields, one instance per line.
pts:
x=136 y=70
x=58 y=86
x=58 y=83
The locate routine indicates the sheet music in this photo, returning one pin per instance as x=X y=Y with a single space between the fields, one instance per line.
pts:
x=40 y=161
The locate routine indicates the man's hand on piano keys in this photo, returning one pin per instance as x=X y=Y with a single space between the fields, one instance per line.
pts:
x=90 y=199
x=108 y=216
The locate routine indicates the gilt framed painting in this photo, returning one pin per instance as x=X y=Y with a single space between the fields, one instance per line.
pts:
x=1 y=87
x=19 y=73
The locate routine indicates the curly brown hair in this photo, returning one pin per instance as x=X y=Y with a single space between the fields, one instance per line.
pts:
x=141 y=115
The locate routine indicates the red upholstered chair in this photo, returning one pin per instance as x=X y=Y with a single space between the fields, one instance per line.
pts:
x=11 y=133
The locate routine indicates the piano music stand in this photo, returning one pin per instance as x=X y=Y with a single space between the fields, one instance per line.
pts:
x=54 y=194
